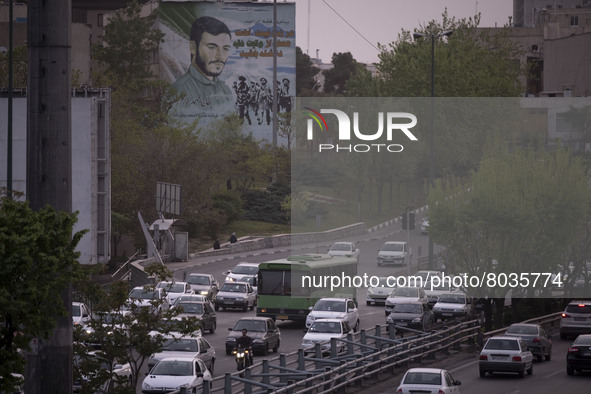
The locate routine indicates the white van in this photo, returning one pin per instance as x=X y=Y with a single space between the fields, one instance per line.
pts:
x=394 y=252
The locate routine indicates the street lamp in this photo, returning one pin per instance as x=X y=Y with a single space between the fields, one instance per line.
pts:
x=446 y=33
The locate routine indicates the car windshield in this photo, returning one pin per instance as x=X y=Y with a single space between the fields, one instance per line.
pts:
x=144 y=294
x=76 y=310
x=191 y=307
x=245 y=270
x=423 y=378
x=405 y=292
x=383 y=282
x=452 y=299
x=250 y=325
x=346 y=247
x=234 y=287
x=198 y=280
x=172 y=287
x=325 y=327
x=330 y=306
x=501 y=344
x=527 y=330
x=407 y=308
x=181 y=345
x=583 y=340
x=173 y=368
x=576 y=308
x=392 y=247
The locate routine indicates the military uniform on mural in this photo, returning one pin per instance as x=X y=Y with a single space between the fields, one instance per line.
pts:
x=242 y=98
x=265 y=99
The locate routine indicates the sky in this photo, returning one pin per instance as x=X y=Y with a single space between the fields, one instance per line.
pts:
x=363 y=24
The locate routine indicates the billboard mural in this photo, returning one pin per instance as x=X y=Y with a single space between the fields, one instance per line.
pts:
x=219 y=57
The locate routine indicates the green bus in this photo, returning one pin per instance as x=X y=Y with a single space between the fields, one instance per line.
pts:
x=288 y=287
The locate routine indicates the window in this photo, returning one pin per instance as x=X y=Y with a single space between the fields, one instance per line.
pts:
x=574 y=21
x=99 y=20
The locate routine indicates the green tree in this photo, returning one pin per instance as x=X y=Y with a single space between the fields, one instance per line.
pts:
x=37 y=250
x=305 y=74
x=19 y=68
x=344 y=68
x=522 y=212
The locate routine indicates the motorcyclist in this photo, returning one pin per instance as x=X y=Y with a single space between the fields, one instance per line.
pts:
x=245 y=342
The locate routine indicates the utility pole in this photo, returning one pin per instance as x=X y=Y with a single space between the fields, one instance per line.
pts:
x=49 y=168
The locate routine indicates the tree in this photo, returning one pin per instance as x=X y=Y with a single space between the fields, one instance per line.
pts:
x=522 y=212
x=472 y=62
x=305 y=74
x=344 y=67
x=19 y=68
x=37 y=250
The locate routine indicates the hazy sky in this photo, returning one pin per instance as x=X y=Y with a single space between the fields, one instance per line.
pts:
x=379 y=21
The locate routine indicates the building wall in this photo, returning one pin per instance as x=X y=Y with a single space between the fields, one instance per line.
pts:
x=91 y=166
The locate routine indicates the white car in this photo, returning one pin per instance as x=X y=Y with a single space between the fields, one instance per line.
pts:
x=239 y=295
x=405 y=294
x=193 y=347
x=394 y=252
x=241 y=271
x=435 y=289
x=453 y=305
x=334 y=308
x=348 y=249
x=175 y=373
x=80 y=313
x=505 y=354
x=148 y=297
x=378 y=294
x=322 y=331
x=428 y=380
x=174 y=290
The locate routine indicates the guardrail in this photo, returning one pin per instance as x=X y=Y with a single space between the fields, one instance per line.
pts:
x=363 y=355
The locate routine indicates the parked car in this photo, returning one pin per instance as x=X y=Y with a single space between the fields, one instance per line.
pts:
x=537 y=339
x=428 y=380
x=334 y=308
x=193 y=347
x=576 y=319
x=425 y=225
x=263 y=331
x=204 y=284
x=412 y=314
x=348 y=249
x=394 y=252
x=405 y=294
x=578 y=357
x=378 y=294
x=239 y=295
x=154 y=298
x=174 y=290
x=242 y=270
x=201 y=310
x=176 y=373
x=454 y=305
x=322 y=331
x=506 y=354
x=80 y=313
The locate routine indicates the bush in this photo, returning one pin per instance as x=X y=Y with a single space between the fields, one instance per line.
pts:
x=265 y=204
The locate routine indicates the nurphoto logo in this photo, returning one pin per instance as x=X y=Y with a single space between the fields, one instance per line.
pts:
x=393 y=121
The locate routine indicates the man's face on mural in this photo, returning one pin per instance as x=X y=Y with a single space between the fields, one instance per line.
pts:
x=210 y=56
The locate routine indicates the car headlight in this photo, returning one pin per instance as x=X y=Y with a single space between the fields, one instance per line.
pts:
x=231 y=340
x=219 y=298
x=389 y=320
x=203 y=292
x=146 y=386
x=311 y=318
x=307 y=342
x=341 y=316
x=258 y=341
x=230 y=280
x=389 y=303
x=416 y=320
x=239 y=298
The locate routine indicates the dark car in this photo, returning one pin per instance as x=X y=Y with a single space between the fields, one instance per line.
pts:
x=263 y=331
x=578 y=357
x=415 y=315
x=204 y=284
x=202 y=311
x=537 y=339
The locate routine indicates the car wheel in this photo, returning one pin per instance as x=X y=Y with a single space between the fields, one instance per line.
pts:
x=356 y=328
x=368 y=302
x=216 y=307
x=541 y=356
x=245 y=307
x=212 y=366
x=276 y=348
x=212 y=329
x=530 y=371
x=482 y=373
x=569 y=370
x=228 y=352
x=522 y=373
x=549 y=355
x=266 y=349
x=252 y=306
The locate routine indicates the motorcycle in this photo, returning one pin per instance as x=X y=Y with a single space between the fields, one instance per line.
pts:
x=243 y=358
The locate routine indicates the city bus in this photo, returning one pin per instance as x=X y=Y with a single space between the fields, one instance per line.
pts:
x=288 y=287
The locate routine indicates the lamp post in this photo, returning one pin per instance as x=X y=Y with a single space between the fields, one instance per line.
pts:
x=446 y=33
